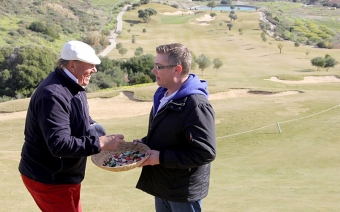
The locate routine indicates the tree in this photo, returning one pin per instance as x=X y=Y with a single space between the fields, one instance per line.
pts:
x=144 y=1
x=23 y=68
x=211 y=4
x=145 y=14
x=143 y=63
x=232 y=16
x=270 y=46
x=193 y=58
x=229 y=25
x=296 y=44
x=263 y=36
x=240 y=31
x=307 y=53
x=330 y=62
x=280 y=45
x=139 y=51
x=228 y=2
x=119 y=45
x=203 y=63
x=217 y=64
x=122 y=51
x=319 y=62
x=327 y=62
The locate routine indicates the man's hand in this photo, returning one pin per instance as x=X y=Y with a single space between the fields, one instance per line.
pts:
x=153 y=158
x=111 y=142
x=136 y=141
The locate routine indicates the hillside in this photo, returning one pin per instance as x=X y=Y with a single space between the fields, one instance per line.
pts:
x=62 y=20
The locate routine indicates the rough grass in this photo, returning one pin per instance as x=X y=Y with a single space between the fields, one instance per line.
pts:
x=257 y=168
x=14 y=105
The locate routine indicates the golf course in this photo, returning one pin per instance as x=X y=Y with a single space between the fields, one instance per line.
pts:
x=277 y=119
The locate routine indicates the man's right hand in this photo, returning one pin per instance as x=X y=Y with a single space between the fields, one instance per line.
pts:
x=111 y=142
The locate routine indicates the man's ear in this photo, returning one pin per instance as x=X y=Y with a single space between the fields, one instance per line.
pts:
x=70 y=66
x=179 y=69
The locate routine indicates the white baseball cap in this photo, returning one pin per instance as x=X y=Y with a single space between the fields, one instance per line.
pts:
x=77 y=50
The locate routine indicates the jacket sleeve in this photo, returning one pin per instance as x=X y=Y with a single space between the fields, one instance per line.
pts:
x=199 y=131
x=54 y=121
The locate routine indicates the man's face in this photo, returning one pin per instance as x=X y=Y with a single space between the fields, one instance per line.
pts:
x=164 y=76
x=82 y=71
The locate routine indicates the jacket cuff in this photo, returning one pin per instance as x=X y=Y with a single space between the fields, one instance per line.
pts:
x=161 y=157
x=97 y=144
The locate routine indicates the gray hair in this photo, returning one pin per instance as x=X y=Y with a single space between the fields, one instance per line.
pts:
x=61 y=63
x=178 y=54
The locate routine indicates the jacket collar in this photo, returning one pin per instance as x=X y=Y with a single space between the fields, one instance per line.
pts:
x=70 y=83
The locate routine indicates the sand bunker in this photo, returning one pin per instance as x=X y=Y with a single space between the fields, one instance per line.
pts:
x=203 y=20
x=124 y=106
x=121 y=106
x=200 y=21
x=308 y=80
x=233 y=93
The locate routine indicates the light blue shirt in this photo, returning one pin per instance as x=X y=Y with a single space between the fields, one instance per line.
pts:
x=70 y=75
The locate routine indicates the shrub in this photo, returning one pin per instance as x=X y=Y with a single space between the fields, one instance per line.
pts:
x=139 y=78
x=322 y=44
x=12 y=33
x=22 y=32
x=6 y=99
x=37 y=26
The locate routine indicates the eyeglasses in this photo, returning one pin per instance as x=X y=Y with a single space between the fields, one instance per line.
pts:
x=157 y=67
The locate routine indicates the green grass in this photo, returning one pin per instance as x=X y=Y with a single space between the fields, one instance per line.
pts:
x=14 y=105
x=257 y=168
x=290 y=77
x=175 y=20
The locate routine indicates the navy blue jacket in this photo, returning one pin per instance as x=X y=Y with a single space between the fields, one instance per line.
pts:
x=57 y=140
x=183 y=131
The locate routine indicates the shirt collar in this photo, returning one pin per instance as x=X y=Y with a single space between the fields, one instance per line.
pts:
x=70 y=75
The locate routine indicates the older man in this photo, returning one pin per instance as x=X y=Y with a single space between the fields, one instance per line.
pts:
x=181 y=135
x=60 y=134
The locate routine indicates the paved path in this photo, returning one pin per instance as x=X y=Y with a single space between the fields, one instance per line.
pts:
x=113 y=35
x=272 y=26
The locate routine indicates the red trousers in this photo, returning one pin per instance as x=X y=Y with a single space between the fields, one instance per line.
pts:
x=54 y=198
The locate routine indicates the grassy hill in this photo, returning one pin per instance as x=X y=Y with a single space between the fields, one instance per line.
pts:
x=70 y=19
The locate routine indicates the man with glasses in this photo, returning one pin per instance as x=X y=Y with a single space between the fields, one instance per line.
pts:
x=181 y=135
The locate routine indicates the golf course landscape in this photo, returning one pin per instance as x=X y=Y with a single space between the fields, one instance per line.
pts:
x=277 y=119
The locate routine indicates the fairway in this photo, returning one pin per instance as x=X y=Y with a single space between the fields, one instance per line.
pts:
x=277 y=141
